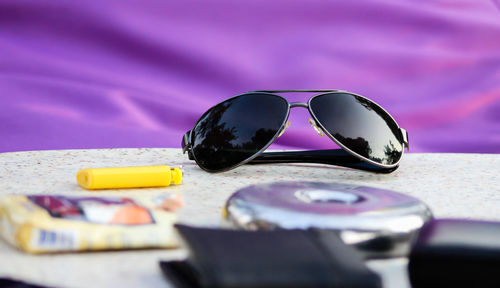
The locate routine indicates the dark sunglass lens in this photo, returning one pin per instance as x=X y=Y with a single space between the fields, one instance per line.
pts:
x=237 y=129
x=360 y=125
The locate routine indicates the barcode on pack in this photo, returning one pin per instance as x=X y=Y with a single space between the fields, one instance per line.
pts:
x=54 y=240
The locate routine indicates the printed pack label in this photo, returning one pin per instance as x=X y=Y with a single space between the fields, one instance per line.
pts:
x=56 y=223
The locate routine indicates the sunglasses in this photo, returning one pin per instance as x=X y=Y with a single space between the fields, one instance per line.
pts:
x=238 y=130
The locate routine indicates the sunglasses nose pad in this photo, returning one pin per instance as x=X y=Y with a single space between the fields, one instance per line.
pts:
x=284 y=128
x=315 y=127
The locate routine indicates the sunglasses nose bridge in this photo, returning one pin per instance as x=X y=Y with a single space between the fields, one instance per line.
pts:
x=299 y=104
x=292 y=105
x=310 y=120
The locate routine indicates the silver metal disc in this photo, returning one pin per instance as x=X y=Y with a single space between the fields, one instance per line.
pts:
x=380 y=223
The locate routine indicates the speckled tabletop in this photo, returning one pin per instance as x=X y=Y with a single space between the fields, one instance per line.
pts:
x=453 y=186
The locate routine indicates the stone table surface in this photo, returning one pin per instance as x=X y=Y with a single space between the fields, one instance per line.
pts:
x=453 y=186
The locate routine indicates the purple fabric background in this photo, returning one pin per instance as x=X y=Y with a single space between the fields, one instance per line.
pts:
x=106 y=74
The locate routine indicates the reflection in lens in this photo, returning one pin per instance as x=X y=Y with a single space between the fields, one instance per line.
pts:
x=360 y=125
x=236 y=129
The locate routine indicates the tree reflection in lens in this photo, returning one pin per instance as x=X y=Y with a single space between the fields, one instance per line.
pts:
x=360 y=125
x=234 y=130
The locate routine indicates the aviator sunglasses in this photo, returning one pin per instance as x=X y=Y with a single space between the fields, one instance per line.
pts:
x=239 y=129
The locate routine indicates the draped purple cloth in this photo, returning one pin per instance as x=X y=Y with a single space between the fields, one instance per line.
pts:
x=107 y=74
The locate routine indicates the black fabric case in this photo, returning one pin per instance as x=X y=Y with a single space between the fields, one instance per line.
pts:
x=11 y=283
x=456 y=253
x=280 y=258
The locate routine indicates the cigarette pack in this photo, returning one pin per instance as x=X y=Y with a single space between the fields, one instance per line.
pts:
x=57 y=223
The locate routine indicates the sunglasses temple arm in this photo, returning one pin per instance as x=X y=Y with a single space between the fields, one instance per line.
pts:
x=186 y=145
x=336 y=157
x=406 y=141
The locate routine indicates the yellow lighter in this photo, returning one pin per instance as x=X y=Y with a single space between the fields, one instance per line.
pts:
x=129 y=177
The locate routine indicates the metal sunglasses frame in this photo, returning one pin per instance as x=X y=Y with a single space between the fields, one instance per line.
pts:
x=340 y=157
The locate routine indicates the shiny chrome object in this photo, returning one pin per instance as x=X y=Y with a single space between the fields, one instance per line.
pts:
x=380 y=223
